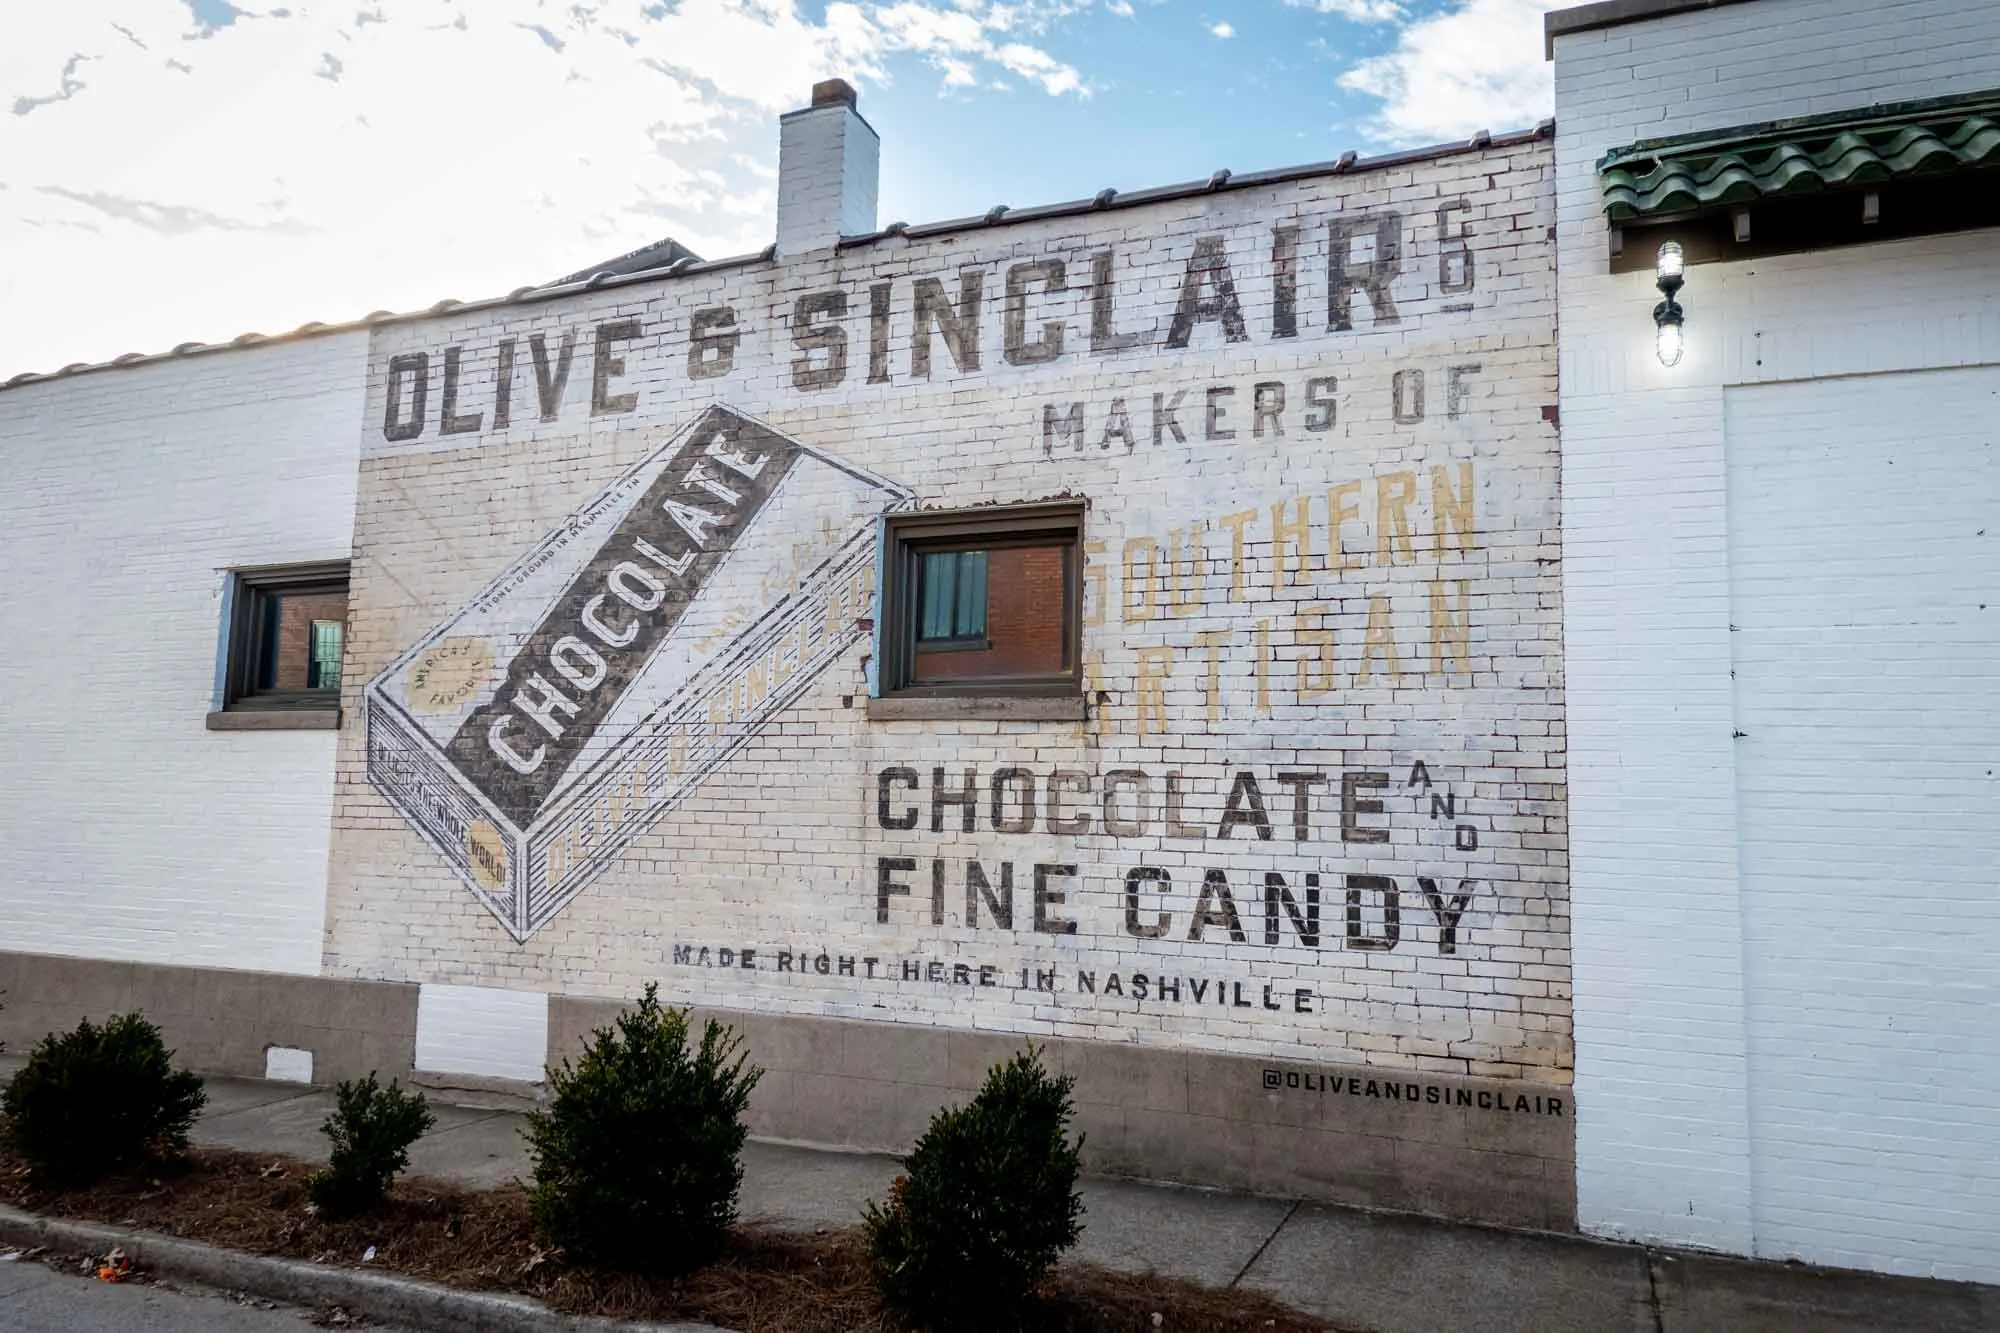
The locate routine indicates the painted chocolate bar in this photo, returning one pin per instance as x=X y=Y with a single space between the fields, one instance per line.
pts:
x=599 y=679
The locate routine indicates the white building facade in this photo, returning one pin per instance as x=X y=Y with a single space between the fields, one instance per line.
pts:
x=1269 y=824
x=1782 y=634
x=133 y=831
x=1363 y=664
x=1229 y=764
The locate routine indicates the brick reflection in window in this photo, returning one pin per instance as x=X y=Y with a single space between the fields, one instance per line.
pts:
x=1025 y=616
x=288 y=665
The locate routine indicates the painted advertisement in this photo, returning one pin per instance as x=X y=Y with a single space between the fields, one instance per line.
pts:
x=500 y=745
x=615 y=710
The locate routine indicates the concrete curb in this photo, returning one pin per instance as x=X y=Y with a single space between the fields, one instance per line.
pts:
x=383 y=1296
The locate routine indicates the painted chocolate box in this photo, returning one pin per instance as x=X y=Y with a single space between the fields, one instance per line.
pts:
x=599 y=679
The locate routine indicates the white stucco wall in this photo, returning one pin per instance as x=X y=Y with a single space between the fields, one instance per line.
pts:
x=1743 y=1083
x=127 y=829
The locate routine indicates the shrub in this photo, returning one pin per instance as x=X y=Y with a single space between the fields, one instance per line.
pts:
x=98 y=1099
x=371 y=1128
x=987 y=1202
x=637 y=1156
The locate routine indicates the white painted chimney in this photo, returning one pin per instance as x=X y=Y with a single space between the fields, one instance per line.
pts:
x=829 y=160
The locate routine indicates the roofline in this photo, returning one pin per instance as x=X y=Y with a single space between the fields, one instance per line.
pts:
x=1806 y=127
x=1612 y=14
x=1222 y=181
x=1104 y=201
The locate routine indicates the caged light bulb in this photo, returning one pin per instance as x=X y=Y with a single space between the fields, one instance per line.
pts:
x=1669 y=343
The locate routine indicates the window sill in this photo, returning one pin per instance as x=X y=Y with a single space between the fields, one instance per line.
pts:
x=275 y=719
x=977 y=708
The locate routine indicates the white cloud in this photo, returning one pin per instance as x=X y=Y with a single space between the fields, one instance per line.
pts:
x=162 y=180
x=1361 y=11
x=1477 y=66
x=1223 y=30
x=1035 y=64
x=1122 y=8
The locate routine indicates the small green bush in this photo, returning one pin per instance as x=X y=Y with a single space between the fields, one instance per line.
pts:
x=637 y=1158
x=96 y=1100
x=987 y=1203
x=371 y=1128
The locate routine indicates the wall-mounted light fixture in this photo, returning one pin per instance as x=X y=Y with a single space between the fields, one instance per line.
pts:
x=1667 y=316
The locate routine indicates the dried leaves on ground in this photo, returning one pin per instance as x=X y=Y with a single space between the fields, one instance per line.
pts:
x=766 y=1281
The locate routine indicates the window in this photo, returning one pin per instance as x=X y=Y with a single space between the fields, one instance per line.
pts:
x=981 y=613
x=323 y=672
x=287 y=628
x=952 y=590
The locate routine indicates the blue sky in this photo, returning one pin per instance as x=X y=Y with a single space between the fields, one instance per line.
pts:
x=192 y=169
x=1168 y=100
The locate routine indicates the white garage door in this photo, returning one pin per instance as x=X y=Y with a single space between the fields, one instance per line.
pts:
x=1864 y=520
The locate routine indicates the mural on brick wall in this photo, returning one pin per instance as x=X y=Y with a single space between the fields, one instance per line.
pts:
x=615 y=609
x=596 y=681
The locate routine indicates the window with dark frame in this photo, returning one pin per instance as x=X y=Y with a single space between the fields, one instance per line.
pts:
x=287 y=631
x=983 y=602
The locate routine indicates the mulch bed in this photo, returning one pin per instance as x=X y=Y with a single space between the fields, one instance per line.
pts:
x=766 y=1281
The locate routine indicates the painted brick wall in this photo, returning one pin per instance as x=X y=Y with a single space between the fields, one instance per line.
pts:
x=127 y=829
x=1321 y=630
x=1677 y=1014
x=828 y=172
x=1867 y=658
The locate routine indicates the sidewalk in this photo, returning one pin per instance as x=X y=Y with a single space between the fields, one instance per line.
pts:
x=1387 y=1273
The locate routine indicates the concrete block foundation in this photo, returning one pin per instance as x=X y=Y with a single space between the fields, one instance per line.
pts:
x=1495 y=1151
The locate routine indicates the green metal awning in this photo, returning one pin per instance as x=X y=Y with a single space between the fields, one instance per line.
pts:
x=1731 y=169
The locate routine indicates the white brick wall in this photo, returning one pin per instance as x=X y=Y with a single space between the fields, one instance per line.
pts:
x=1866 y=604
x=828 y=171
x=1700 y=1123
x=779 y=850
x=127 y=829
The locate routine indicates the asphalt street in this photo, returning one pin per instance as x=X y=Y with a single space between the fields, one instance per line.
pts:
x=37 y=1299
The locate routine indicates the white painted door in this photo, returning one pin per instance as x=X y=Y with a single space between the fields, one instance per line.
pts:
x=1864 y=532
